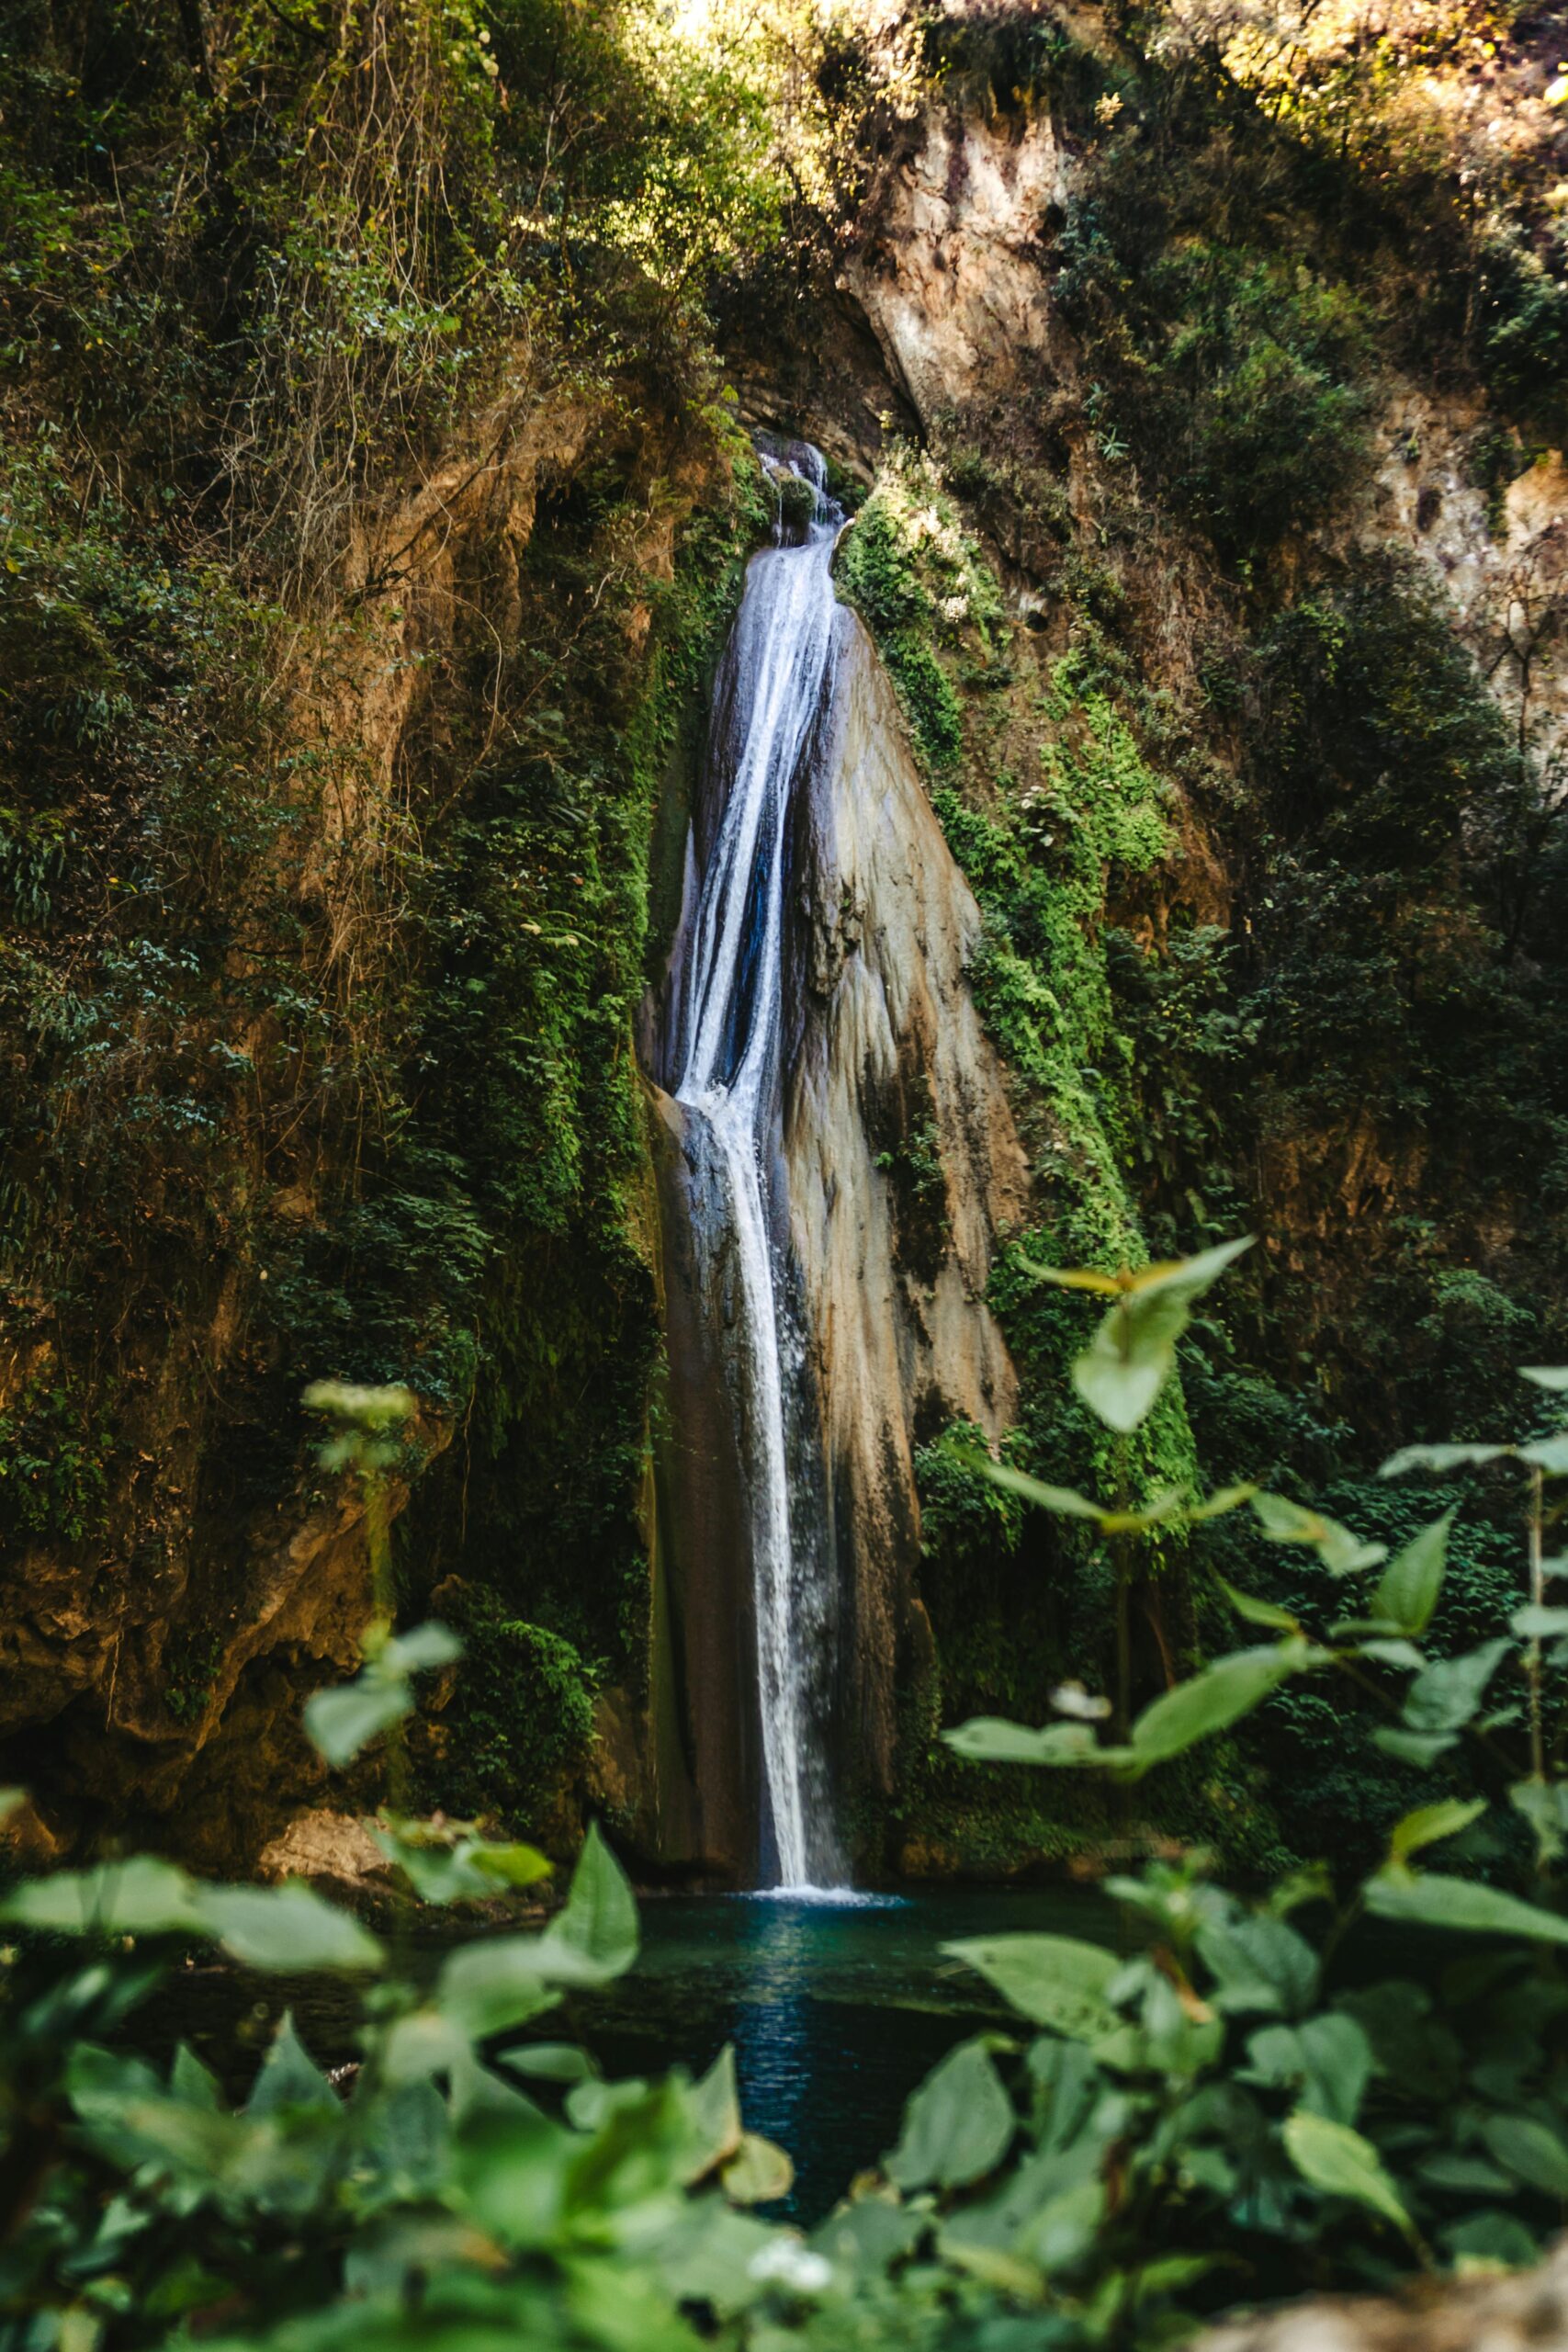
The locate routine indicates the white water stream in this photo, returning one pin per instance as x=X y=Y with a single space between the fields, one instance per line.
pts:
x=730 y=1027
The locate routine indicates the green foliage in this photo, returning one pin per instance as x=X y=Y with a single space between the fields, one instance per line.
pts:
x=53 y=1472
x=340 y=1063
x=916 y=580
x=1238 y=375
x=521 y=1714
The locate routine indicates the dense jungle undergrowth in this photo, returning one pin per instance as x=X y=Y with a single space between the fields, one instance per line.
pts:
x=1241 y=2101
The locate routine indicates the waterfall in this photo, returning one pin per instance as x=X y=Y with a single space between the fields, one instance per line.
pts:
x=730 y=1031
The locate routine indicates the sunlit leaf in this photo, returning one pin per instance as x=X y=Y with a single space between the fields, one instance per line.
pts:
x=1441 y=1459
x=289 y=1926
x=1055 y=1981
x=140 y=1897
x=595 y=1935
x=1341 y=1552
x=758 y=2172
x=1258 y=1612
x=1432 y=1900
x=1430 y=1823
x=342 y=1720
x=992 y=1739
x=1072 y=1278
x=958 y=2126
x=1340 y=2163
x=1216 y=1698
x=1132 y=1354
x=1416 y=1747
x=1408 y=1588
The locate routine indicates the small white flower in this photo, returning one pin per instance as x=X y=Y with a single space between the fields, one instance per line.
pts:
x=785 y=2260
x=1072 y=1699
x=956 y=608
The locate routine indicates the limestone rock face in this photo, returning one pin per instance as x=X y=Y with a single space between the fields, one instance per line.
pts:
x=89 y=1662
x=903 y=1163
x=898 y=1165
x=951 y=283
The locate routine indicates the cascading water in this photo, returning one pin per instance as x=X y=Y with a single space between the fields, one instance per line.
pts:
x=729 y=1017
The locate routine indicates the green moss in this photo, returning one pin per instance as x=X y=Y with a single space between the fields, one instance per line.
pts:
x=1019 y=1605
x=521 y=1717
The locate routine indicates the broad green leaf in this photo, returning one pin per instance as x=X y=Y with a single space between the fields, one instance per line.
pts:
x=1408 y=1588
x=549 y=2062
x=958 y=2126
x=422 y=1647
x=1067 y=1503
x=1432 y=1900
x=1416 y=1747
x=1064 y=1501
x=1188 y=1278
x=1490 y=2237
x=1391 y=1653
x=1544 y=1804
x=289 y=1926
x=1463 y=2176
x=1529 y=2150
x=1536 y=1623
x=497 y=1982
x=513 y=2170
x=1073 y=1278
x=1218 y=1697
x=1340 y=2163
x=1132 y=1355
x=342 y=1720
x=444 y=1869
x=191 y=2081
x=1449 y=1693
x=1553 y=1376
x=758 y=2172
x=595 y=1935
x=868 y=2234
x=289 y=2077
x=1326 y=2059
x=991 y=1739
x=1441 y=1459
x=510 y=1863
x=1223 y=1500
x=1174 y=2033
x=1259 y=1964
x=1341 y=1552
x=1548 y=1453
x=1258 y=1612
x=1431 y=1823
x=713 y=2105
x=1054 y=1981
x=142 y=1898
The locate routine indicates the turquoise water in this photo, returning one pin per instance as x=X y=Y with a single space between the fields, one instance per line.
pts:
x=835 y=2010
